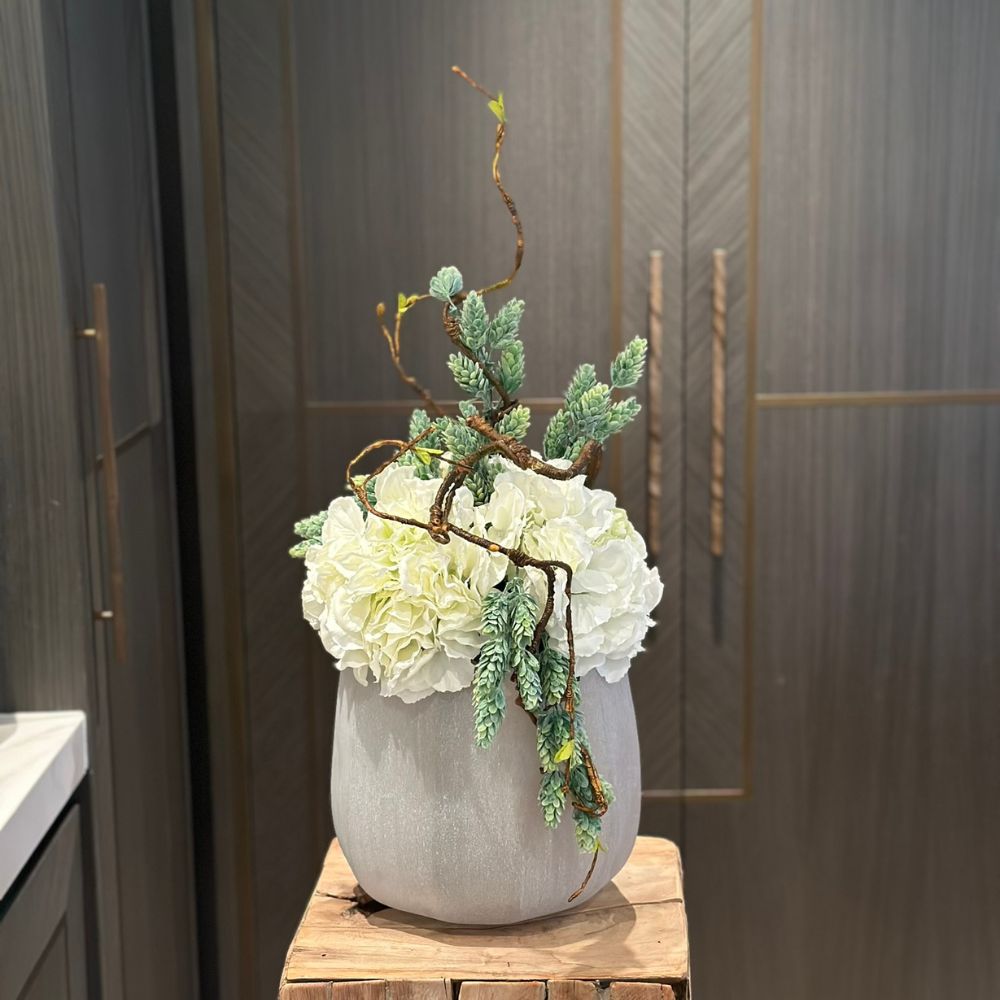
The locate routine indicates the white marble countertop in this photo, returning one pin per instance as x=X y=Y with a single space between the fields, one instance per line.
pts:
x=43 y=757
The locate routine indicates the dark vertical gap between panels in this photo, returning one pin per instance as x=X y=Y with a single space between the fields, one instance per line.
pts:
x=175 y=297
x=682 y=596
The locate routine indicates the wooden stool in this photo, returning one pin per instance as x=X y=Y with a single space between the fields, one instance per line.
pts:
x=627 y=943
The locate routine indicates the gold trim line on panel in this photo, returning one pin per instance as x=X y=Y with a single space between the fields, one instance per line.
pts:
x=99 y=334
x=750 y=409
x=654 y=406
x=901 y=397
x=699 y=794
x=616 y=476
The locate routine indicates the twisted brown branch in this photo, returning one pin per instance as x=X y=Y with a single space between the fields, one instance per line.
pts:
x=439 y=525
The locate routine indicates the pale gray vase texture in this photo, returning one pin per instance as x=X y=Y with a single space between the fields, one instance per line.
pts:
x=434 y=825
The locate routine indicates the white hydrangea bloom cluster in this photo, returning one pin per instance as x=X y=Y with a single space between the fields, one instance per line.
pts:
x=614 y=591
x=390 y=603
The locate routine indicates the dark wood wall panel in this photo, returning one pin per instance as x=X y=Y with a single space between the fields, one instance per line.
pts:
x=114 y=181
x=866 y=859
x=284 y=849
x=651 y=96
x=718 y=199
x=879 y=195
x=41 y=489
x=394 y=156
x=146 y=717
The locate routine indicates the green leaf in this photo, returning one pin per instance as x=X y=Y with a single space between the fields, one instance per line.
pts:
x=552 y=797
x=554 y=670
x=584 y=378
x=591 y=409
x=446 y=283
x=403 y=302
x=468 y=375
x=588 y=831
x=626 y=369
x=460 y=439
x=620 y=416
x=557 y=435
x=512 y=366
x=504 y=326
x=424 y=454
x=515 y=423
x=498 y=109
x=553 y=732
x=565 y=752
x=419 y=422
x=474 y=322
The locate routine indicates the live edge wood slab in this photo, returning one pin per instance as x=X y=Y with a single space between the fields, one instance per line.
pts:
x=627 y=943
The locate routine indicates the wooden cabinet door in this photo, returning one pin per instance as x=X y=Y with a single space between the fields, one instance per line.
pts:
x=43 y=934
x=857 y=857
x=140 y=730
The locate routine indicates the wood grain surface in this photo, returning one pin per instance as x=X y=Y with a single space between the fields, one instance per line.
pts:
x=652 y=219
x=718 y=200
x=879 y=195
x=870 y=838
x=635 y=928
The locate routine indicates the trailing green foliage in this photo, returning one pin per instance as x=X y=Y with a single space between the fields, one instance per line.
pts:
x=553 y=735
x=508 y=624
x=588 y=831
x=552 y=797
x=554 y=670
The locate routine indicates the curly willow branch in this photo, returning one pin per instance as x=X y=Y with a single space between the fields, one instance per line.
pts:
x=438 y=524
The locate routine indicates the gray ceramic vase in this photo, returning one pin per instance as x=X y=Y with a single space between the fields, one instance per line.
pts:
x=432 y=824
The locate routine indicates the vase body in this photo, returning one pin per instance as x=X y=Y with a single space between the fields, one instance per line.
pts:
x=432 y=824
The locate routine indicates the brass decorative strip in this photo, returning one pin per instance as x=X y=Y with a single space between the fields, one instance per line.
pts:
x=699 y=794
x=654 y=406
x=750 y=409
x=616 y=205
x=901 y=397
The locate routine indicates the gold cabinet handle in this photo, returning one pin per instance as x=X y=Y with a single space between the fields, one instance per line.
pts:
x=717 y=488
x=654 y=405
x=98 y=335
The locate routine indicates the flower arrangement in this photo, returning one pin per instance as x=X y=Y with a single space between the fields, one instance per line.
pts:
x=467 y=560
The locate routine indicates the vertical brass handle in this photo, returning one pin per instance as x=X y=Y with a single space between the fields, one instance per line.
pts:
x=654 y=405
x=717 y=489
x=98 y=334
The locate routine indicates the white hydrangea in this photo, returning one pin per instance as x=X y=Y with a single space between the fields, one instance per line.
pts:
x=391 y=603
x=614 y=591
